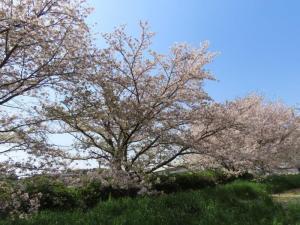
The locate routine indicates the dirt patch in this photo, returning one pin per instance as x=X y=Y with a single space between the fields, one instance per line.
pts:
x=288 y=197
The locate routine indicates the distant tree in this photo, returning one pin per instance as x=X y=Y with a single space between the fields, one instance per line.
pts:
x=264 y=137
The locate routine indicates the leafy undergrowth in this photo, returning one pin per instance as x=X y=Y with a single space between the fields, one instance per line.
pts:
x=281 y=183
x=237 y=203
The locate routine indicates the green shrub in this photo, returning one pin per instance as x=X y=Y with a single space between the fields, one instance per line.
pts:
x=280 y=183
x=15 y=201
x=90 y=194
x=110 y=192
x=204 y=207
x=242 y=190
x=170 y=183
x=55 y=195
x=5 y=198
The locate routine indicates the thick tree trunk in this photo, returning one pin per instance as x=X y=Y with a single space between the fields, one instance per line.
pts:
x=117 y=162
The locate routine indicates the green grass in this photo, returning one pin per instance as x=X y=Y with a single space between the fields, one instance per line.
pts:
x=237 y=203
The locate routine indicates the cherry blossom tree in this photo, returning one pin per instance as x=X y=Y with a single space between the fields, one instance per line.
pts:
x=264 y=137
x=42 y=43
x=134 y=112
x=126 y=106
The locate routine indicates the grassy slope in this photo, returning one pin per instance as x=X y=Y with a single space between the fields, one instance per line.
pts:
x=238 y=203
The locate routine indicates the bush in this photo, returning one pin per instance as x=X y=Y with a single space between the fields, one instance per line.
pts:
x=170 y=183
x=184 y=181
x=242 y=190
x=55 y=195
x=15 y=201
x=90 y=194
x=204 y=207
x=280 y=183
x=110 y=192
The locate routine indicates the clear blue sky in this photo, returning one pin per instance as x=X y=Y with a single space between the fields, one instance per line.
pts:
x=258 y=40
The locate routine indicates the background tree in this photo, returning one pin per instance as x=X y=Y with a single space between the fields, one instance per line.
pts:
x=264 y=137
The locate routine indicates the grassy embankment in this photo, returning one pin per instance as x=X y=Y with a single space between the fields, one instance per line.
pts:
x=236 y=203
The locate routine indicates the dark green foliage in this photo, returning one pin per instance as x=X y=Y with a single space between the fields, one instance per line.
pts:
x=238 y=203
x=93 y=192
x=55 y=195
x=170 y=183
x=5 y=196
x=246 y=176
x=113 y=193
x=90 y=194
x=187 y=181
x=280 y=183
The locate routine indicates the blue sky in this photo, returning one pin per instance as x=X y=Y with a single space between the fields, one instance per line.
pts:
x=258 y=40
